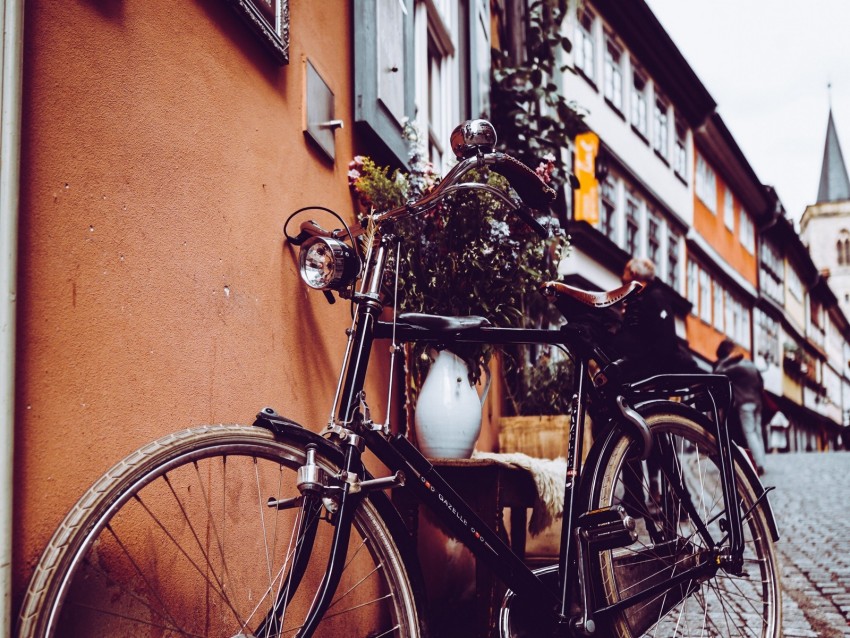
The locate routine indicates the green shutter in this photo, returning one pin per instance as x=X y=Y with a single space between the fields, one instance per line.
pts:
x=383 y=69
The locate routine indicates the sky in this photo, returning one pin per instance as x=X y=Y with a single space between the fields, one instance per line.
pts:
x=767 y=64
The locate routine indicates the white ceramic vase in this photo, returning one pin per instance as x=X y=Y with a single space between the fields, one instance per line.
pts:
x=448 y=410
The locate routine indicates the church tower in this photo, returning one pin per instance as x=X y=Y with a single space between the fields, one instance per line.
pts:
x=825 y=225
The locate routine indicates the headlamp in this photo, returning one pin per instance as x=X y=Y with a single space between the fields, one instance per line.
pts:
x=327 y=263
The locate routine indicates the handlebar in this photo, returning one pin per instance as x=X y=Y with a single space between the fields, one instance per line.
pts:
x=531 y=189
x=533 y=192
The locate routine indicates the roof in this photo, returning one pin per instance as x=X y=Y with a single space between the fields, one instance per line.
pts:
x=634 y=22
x=834 y=185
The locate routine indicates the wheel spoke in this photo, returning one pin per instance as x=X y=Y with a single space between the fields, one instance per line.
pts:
x=669 y=543
x=170 y=542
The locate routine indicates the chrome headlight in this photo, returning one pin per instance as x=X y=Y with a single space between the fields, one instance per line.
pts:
x=327 y=263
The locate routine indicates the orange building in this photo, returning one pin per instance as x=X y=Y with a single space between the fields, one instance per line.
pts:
x=162 y=147
x=722 y=270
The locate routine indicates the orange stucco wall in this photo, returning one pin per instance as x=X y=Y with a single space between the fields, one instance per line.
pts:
x=162 y=151
x=702 y=338
x=726 y=242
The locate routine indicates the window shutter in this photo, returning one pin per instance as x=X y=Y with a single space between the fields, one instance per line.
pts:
x=383 y=69
x=479 y=67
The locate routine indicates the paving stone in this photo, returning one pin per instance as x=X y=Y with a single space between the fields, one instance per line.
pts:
x=814 y=549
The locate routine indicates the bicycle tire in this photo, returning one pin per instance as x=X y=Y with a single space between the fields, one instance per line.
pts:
x=727 y=605
x=178 y=539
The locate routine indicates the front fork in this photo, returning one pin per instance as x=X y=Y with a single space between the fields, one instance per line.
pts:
x=346 y=490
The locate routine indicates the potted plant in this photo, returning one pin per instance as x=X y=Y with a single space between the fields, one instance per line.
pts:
x=470 y=256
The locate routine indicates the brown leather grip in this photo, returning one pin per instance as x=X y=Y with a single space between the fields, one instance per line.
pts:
x=525 y=182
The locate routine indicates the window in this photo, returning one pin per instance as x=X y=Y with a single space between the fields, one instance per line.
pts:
x=748 y=234
x=632 y=224
x=745 y=339
x=608 y=208
x=659 y=128
x=772 y=272
x=437 y=133
x=704 y=296
x=737 y=321
x=585 y=48
x=613 y=73
x=452 y=69
x=795 y=286
x=706 y=184
x=673 y=275
x=653 y=238
x=842 y=248
x=729 y=307
x=728 y=210
x=719 y=322
x=767 y=337
x=693 y=288
x=680 y=152
x=639 y=87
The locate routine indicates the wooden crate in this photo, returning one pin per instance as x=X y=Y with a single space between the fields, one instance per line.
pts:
x=543 y=437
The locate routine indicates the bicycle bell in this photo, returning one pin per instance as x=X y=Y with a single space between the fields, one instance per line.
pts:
x=472 y=137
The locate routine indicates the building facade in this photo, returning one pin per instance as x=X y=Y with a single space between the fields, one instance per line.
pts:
x=662 y=177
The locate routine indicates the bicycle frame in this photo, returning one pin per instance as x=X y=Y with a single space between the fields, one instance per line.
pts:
x=354 y=430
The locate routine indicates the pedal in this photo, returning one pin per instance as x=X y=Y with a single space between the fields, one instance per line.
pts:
x=607 y=528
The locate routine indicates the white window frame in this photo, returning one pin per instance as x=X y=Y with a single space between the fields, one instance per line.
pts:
x=613 y=78
x=795 y=285
x=747 y=232
x=660 y=127
x=706 y=184
x=632 y=223
x=585 y=47
x=704 y=296
x=608 y=203
x=673 y=260
x=437 y=71
x=693 y=287
x=654 y=219
x=729 y=209
x=680 y=152
x=719 y=316
x=639 y=99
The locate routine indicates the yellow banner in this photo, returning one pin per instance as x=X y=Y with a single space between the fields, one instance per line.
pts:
x=587 y=195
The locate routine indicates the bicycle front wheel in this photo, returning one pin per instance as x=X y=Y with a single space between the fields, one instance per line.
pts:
x=180 y=539
x=669 y=543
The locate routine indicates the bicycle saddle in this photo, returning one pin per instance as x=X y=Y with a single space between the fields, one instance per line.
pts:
x=556 y=290
x=438 y=322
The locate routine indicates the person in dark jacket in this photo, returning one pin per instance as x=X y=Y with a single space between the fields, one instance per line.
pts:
x=648 y=344
x=747 y=388
x=647 y=339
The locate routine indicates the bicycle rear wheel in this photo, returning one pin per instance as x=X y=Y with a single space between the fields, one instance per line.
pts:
x=668 y=543
x=179 y=539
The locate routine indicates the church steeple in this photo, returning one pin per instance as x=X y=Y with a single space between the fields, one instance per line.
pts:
x=834 y=184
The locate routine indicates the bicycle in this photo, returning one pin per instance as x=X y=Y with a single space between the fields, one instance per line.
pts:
x=275 y=530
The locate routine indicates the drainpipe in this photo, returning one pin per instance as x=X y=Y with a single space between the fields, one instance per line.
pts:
x=12 y=17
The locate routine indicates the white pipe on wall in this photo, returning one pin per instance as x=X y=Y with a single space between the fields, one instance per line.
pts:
x=12 y=16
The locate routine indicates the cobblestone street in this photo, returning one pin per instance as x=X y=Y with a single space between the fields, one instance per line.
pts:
x=812 y=507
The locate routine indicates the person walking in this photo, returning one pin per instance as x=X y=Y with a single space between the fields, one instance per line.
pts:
x=747 y=388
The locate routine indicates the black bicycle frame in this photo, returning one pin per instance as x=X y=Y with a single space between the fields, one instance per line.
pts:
x=399 y=455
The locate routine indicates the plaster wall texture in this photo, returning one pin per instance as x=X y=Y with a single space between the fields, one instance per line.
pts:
x=162 y=151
